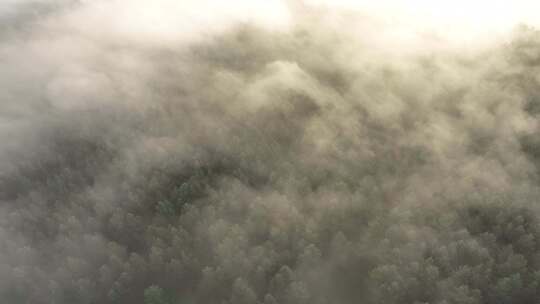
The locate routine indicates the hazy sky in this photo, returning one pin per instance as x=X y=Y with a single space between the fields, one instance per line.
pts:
x=460 y=20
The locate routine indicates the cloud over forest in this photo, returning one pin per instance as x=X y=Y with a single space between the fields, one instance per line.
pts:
x=266 y=152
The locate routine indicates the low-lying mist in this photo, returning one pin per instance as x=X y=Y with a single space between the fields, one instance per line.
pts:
x=312 y=157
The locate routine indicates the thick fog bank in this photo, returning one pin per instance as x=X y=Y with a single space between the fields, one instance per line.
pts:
x=306 y=155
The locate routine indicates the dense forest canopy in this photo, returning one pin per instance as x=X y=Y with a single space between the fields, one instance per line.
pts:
x=317 y=162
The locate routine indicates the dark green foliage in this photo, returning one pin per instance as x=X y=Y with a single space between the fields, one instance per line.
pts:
x=165 y=208
x=155 y=295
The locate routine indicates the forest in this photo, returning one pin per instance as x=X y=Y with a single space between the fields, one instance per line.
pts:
x=314 y=164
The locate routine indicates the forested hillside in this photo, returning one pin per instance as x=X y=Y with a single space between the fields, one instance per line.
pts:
x=307 y=165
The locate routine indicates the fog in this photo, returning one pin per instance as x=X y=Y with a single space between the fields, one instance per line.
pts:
x=167 y=152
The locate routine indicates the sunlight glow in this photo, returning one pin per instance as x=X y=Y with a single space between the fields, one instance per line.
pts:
x=170 y=21
x=457 y=19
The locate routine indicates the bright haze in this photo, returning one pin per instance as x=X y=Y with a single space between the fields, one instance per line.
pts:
x=269 y=152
